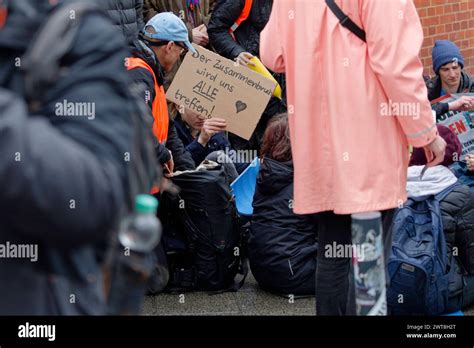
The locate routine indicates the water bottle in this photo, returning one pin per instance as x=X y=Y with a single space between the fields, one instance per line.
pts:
x=139 y=234
x=141 y=231
x=368 y=264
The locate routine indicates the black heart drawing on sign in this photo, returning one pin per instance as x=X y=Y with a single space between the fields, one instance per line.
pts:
x=240 y=105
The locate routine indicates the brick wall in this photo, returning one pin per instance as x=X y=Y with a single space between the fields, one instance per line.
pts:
x=447 y=20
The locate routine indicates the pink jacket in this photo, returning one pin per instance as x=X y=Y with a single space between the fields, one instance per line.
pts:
x=350 y=123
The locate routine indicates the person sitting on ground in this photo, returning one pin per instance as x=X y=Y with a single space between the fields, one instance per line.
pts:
x=448 y=64
x=457 y=213
x=163 y=41
x=282 y=245
x=203 y=137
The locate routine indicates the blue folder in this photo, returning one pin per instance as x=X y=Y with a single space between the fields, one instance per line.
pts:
x=243 y=188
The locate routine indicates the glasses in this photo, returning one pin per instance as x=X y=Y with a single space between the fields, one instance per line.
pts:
x=184 y=49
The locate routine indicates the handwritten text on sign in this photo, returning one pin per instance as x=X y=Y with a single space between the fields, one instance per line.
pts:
x=214 y=86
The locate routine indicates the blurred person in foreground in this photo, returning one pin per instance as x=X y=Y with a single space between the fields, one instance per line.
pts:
x=63 y=171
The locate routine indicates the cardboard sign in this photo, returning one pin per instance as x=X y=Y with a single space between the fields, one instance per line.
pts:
x=213 y=86
x=460 y=122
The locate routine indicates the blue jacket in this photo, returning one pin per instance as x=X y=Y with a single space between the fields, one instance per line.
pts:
x=198 y=152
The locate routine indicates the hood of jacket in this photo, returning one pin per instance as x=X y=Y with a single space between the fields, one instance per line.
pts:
x=23 y=19
x=434 y=180
x=434 y=85
x=274 y=176
x=143 y=51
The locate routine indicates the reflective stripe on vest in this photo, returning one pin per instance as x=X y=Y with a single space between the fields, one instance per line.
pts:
x=159 y=107
x=243 y=16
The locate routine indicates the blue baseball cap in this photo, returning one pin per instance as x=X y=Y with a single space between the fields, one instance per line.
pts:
x=169 y=27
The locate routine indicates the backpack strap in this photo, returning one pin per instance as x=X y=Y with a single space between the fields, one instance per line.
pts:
x=244 y=260
x=42 y=60
x=345 y=20
x=243 y=17
x=442 y=195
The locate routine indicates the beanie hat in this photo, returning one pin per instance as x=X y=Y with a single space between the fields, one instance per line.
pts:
x=453 y=146
x=444 y=52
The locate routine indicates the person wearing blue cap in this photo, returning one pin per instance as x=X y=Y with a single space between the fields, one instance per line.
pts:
x=448 y=64
x=161 y=43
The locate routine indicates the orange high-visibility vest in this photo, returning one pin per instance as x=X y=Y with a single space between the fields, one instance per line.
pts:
x=3 y=14
x=159 y=107
x=243 y=16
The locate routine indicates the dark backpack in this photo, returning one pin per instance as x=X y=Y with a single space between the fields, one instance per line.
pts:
x=419 y=268
x=201 y=234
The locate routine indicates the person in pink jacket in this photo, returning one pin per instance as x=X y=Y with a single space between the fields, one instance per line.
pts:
x=354 y=108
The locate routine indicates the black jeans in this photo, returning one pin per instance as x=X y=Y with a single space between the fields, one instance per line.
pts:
x=335 y=294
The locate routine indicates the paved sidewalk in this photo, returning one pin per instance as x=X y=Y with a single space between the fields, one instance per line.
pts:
x=249 y=300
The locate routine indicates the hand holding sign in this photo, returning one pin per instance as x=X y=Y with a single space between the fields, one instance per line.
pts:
x=210 y=85
x=245 y=59
x=210 y=127
x=200 y=36
x=460 y=122
x=464 y=103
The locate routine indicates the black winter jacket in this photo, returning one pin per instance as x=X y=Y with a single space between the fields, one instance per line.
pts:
x=127 y=15
x=282 y=245
x=182 y=158
x=247 y=35
x=457 y=214
x=65 y=193
x=434 y=91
